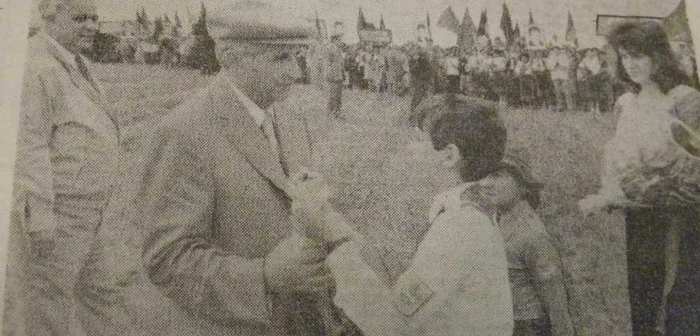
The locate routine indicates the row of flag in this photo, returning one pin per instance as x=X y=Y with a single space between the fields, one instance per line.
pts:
x=363 y=24
x=468 y=34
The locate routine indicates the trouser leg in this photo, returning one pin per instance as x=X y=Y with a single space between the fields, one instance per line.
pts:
x=645 y=267
x=110 y=270
x=55 y=260
x=335 y=95
x=570 y=93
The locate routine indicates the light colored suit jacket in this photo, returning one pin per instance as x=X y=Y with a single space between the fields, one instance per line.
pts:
x=66 y=142
x=209 y=194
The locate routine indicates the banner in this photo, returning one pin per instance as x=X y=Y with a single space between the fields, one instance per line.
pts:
x=606 y=23
x=375 y=36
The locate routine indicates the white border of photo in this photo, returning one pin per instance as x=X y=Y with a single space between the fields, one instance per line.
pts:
x=13 y=43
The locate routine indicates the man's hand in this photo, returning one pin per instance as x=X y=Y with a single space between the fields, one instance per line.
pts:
x=314 y=217
x=296 y=265
x=307 y=186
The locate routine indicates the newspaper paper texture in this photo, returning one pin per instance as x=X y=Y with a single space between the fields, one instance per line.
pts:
x=487 y=168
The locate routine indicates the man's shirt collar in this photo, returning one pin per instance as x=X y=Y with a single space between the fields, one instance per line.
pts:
x=57 y=50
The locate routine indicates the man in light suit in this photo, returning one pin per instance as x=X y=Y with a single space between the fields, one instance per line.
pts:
x=209 y=191
x=66 y=151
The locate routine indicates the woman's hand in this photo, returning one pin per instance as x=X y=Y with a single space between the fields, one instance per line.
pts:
x=600 y=202
x=592 y=204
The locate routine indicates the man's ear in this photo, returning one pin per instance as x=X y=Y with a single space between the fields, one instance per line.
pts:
x=451 y=156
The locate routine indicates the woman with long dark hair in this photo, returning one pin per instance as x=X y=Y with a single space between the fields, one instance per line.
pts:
x=651 y=172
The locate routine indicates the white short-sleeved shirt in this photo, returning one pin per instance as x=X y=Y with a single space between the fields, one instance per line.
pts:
x=456 y=284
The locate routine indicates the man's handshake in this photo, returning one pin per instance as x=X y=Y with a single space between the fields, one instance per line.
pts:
x=314 y=217
x=297 y=264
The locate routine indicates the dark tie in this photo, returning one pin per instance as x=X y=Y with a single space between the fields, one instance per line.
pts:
x=84 y=71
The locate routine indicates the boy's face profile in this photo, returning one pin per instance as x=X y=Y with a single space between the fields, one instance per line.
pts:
x=421 y=155
x=499 y=189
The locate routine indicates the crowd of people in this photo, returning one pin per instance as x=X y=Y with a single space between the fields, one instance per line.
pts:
x=557 y=78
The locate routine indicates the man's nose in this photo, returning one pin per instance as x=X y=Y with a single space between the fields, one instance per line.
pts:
x=91 y=25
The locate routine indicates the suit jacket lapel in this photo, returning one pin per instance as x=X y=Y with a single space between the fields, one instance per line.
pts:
x=81 y=82
x=94 y=92
x=241 y=131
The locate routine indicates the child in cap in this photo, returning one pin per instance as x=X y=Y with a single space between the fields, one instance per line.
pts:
x=510 y=195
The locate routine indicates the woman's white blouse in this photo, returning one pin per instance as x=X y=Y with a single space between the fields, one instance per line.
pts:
x=642 y=141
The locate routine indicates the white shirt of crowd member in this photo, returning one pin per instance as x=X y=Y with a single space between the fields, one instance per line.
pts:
x=452 y=65
x=558 y=64
x=591 y=62
x=500 y=63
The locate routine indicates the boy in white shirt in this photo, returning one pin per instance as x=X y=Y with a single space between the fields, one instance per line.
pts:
x=457 y=282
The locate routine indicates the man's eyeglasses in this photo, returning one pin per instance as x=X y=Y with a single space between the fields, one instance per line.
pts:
x=84 y=17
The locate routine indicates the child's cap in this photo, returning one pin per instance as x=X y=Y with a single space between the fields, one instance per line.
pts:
x=517 y=161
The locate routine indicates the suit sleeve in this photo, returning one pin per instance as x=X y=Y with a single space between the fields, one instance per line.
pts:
x=34 y=134
x=177 y=202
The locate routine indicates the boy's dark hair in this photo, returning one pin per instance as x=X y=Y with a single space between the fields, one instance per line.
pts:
x=650 y=39
x=473 y=125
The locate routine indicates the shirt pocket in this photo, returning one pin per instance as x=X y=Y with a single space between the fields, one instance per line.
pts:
x=83 y=162
x=36 y=215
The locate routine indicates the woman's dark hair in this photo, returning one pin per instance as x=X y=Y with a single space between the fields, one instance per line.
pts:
x=473 y=125
x=647 y=38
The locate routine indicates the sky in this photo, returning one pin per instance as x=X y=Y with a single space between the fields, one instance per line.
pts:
x=401 y=15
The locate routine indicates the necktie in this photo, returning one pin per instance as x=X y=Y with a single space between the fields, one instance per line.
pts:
x=84 y=71
x=268 y=129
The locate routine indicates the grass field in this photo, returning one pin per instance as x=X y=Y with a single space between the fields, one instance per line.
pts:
x=360 y=157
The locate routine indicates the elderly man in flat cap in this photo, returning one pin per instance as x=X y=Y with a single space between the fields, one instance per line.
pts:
x=67 y=146
x=209 y=190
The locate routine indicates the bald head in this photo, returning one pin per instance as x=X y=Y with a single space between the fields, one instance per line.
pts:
x=72 y=23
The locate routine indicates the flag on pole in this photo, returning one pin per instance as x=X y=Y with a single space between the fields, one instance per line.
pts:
x=571 y=32
x=483 y=30
x=449 y=21
x=466 y=38
x=532 y=20
x=361 y=23
x=427 y=21
x=507 y=25
x=676 y=24
x=517 y=38
x=382 y=26
x=319 y=31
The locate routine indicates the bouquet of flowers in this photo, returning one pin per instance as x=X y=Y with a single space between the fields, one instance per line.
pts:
x=676 y=182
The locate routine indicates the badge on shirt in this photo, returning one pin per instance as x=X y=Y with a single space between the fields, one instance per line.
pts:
x=411 y=296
